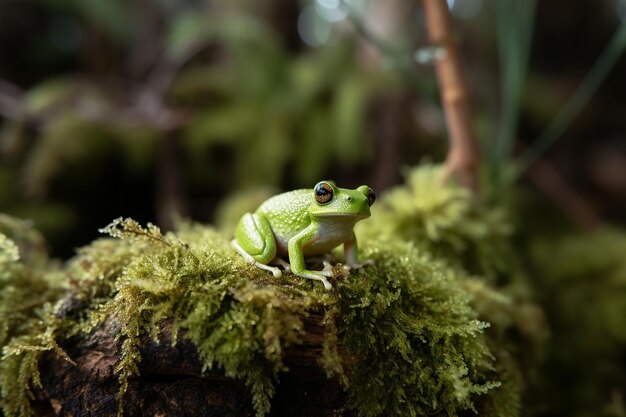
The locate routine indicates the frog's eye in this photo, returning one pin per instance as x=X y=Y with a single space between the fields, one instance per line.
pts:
x=323 y=192
x=371 y=197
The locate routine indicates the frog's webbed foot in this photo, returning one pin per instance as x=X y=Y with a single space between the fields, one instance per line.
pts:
x=328 y=269
x=274 y=270
x=327 y=272
x=318 y=275
x=323 y=274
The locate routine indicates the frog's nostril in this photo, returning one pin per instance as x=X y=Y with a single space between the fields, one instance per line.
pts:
x=349 y=198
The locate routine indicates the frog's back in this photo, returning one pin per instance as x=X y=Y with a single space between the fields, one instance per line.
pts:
x=288 y=212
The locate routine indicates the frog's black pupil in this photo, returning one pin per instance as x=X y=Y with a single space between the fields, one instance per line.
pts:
x=371 y=197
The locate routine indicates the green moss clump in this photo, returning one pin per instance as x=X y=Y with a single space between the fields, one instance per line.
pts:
x=241 y=320
x=445 y=220
x=28 y=283
x=420 y=345
x=448 y=224
x=195 y=279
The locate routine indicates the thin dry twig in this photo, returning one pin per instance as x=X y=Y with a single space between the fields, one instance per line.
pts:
x=462 y=159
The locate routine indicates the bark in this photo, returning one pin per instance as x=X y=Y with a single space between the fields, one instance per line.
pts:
x=171 y=382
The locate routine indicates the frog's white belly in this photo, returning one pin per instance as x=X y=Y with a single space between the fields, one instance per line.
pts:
x=329 y=236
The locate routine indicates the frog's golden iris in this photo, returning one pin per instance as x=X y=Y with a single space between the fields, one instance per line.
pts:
x=323 y=192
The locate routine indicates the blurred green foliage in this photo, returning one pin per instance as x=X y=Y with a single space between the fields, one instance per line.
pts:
x=239 y=106
x=582 y=286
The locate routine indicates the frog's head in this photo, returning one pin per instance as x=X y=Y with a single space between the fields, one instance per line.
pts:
x=332 y=201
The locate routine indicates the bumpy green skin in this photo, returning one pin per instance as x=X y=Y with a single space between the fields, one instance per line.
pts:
x=295 y=224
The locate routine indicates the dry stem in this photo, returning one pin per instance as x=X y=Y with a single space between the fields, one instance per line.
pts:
x=463 y=155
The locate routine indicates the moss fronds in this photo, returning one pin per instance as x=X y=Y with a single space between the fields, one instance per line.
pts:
x=18 y=373
x=28 y=284
x=9 y=253
x=448 y=225
x=420 y=345
x=19 y=370
x=445 y=220
x=128 y=228
x=331 y=359
x=237 y=323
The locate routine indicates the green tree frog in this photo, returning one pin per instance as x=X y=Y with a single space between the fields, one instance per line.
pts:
x=301 y=223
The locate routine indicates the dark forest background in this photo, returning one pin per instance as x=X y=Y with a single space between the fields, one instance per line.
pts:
x=157 y=108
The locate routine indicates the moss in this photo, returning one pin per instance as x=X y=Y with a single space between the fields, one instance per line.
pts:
x=517 y=335
x=411 y=340
x=449 y=225
x=241 y=320
x=583 y=289
x=27 y=327
x=421 y=347
x=447 y=221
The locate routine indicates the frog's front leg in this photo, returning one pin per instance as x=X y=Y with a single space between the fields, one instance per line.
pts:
x=351 y=254
x=296 y=257
x=254 y=240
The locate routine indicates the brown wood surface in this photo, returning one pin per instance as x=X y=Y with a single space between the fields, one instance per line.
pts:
x=171 y=382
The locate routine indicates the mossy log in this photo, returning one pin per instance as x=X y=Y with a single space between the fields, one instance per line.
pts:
x=179 y=324
x=171 y=381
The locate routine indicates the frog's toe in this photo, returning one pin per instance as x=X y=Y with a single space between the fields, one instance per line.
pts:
x=322 y=277
x=316 y=275
x=274 y=270
x=327 y=271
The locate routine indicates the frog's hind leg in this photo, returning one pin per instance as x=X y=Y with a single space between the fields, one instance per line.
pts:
x=274 y=270
x=254 y=240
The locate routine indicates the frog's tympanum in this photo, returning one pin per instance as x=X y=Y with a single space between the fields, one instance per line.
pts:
x=302 y=223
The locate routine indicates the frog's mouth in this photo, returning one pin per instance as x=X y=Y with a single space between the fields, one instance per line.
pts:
x=355 y=214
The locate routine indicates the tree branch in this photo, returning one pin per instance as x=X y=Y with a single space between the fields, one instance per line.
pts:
x=463 y=155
